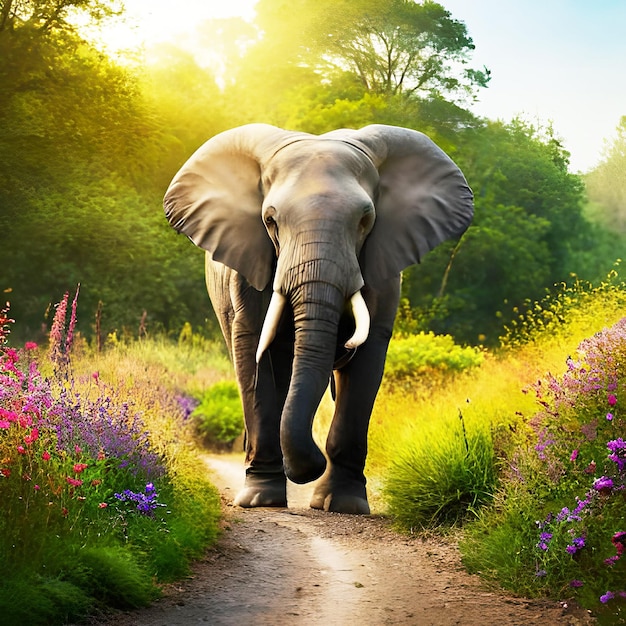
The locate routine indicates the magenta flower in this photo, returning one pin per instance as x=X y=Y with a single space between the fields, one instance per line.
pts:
x=574 y=455
x=612 y=399
x=30 y=345
x=619 y=541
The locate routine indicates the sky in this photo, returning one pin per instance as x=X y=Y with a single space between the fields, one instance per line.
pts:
x=557 y=61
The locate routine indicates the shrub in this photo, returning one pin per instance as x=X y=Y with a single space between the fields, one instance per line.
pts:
x=414 y=355
x=441 y=477
x=219 y=416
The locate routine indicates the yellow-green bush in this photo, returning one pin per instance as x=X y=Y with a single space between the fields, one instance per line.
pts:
x=219 y=416
x=413 y=355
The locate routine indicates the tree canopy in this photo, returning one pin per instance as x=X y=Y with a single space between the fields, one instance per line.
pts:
x=88 y=147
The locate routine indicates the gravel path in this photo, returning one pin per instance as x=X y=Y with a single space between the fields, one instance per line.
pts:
x=299 y=566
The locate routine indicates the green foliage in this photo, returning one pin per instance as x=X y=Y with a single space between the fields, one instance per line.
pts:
x=562 y=497
x=219 y=416
x=439 y=479
x=416 y=355
x=86 y=153
x=42 y=601
x=113 y=577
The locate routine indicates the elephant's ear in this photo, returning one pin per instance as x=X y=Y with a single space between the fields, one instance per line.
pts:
x=215 y=199
x=423 y=200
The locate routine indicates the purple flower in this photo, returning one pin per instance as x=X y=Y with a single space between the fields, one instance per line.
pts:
x=604 y=484
x=145 y=503
x=577 y=544
x=573 y=455
x=544 y=539
x=563 y=514
x=576 y=583
x=609 y=595
x=540 y=573
x=617 y=447
x=609 y=417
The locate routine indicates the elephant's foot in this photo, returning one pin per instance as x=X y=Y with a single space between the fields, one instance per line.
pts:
x=340 y=494
x=263 y=489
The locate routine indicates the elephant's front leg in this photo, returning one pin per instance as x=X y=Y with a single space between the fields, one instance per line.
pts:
x=342 y=488
x=241 y=309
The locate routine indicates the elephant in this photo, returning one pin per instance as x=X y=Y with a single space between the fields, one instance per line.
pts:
x=306 y=237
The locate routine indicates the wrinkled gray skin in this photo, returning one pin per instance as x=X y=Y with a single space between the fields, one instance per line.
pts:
x=315 y=219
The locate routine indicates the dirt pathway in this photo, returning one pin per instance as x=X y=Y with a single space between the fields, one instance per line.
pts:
x=298 y=566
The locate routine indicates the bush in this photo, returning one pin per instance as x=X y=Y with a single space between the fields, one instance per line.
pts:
x=414 y=355
x=441 y=477
x=219 y=416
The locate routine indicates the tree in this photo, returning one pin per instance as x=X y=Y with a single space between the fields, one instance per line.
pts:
x=390 y=46
x=606 y=184
x=42 y=17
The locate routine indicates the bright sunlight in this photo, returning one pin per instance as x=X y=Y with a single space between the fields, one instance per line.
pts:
x=145 y=24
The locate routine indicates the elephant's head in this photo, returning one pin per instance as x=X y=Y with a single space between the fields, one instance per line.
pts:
x=323 y=215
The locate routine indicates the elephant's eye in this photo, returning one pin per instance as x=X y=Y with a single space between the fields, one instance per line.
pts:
x=268 y=216
x=367 y=220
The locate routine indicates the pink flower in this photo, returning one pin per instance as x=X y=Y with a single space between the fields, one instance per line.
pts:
x=5 y=471
x=574 y=455
x=75 y=482
x=609 y=416
x=103 y=505
x=30 y=345
x=77 y=449
x=46 y=456
x=612 y=399
x=21 y=449
x=34 y=435
x=79 y=467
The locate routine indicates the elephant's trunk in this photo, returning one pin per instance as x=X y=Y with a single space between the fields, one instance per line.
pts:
x=317 y=309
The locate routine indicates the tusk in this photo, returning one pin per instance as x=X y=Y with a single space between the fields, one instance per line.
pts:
x=270 y=325
x=361 y=319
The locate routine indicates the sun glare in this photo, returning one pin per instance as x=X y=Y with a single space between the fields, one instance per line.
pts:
x=146 y=23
